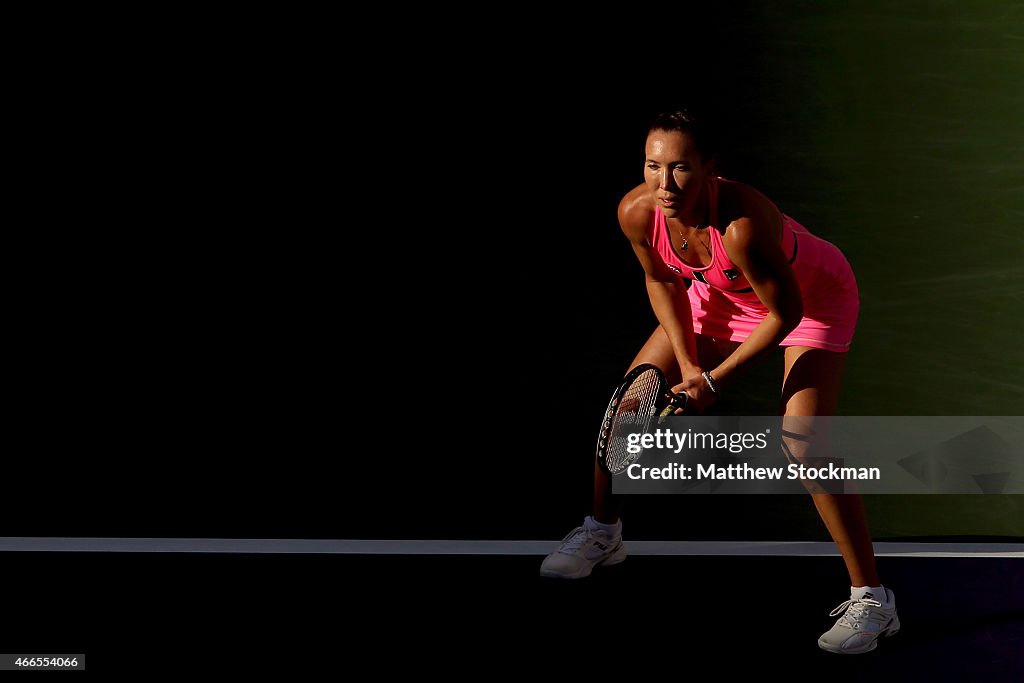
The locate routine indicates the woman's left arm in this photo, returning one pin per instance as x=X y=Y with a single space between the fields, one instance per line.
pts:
x=753 y=245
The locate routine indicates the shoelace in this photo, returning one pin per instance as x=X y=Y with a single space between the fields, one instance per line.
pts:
x=856 y=611
x=573 y=541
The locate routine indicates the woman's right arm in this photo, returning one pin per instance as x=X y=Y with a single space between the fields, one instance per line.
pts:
x=664 y=288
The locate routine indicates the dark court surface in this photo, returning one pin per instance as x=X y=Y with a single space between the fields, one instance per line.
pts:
x=963 y=618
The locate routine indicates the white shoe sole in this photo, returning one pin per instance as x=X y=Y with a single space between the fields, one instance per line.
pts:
x=892 y=629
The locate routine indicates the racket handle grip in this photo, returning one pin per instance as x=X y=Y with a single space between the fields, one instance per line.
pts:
x=677 y=402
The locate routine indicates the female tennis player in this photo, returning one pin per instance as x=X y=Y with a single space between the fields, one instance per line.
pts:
x=730 y=278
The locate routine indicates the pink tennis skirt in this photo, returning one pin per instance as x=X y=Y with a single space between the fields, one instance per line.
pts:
x=830 y=302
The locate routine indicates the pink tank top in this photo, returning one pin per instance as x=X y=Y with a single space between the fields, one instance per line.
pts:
x=720 y=273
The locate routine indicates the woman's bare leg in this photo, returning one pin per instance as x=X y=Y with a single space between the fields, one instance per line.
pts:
x=811 y=385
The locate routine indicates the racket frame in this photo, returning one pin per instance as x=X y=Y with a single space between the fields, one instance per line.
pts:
x=672 y=403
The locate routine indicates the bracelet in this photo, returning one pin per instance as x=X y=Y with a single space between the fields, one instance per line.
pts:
x=711 y=382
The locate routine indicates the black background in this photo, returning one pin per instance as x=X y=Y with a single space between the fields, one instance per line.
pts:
x=279 y=285
x=284 y=299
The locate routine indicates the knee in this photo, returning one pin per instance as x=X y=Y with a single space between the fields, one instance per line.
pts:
x=805 y=447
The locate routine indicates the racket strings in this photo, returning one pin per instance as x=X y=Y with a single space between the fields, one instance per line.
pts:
x=634 y=411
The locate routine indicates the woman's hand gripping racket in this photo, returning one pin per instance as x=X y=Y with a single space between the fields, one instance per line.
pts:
x=643 y=393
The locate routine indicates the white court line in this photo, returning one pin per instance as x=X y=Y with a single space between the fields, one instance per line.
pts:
x=442 y=547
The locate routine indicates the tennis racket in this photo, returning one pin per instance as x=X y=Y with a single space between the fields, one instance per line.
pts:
x=642 y=394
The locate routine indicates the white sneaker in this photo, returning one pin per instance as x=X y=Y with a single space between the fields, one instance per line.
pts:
x=583 y=549
x=862 y=623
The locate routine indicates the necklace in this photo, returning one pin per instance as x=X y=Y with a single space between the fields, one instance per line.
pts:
x=686 y=243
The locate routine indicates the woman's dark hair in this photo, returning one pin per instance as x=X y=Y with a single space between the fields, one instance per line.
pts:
x=685 y=121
